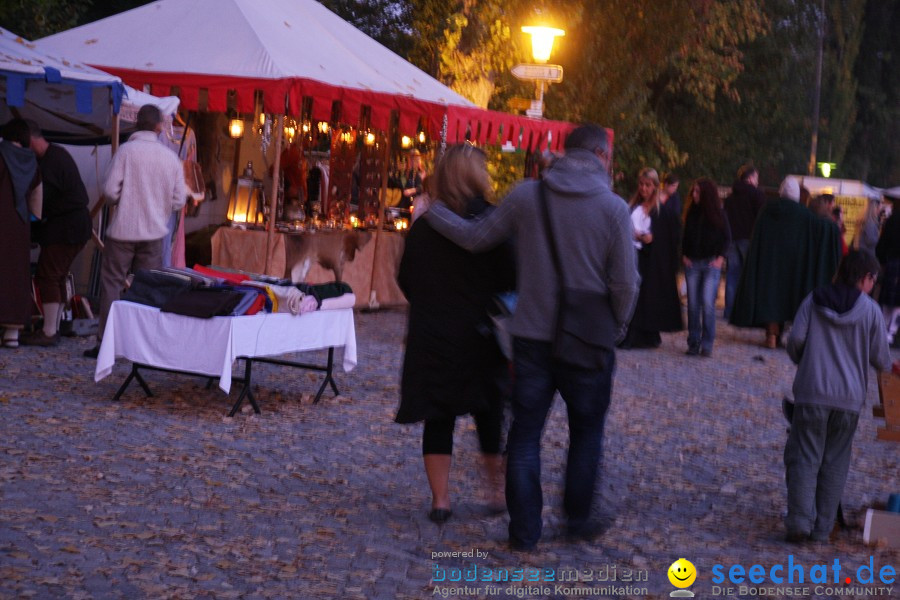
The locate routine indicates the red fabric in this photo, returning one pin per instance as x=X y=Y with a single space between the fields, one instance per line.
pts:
x=232 y=278
x=278 y=91
x=257 y=305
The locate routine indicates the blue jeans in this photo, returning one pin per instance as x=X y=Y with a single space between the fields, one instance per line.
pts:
x=736 y=255
x=587 y=395
x=702 y=287
x=816 y=461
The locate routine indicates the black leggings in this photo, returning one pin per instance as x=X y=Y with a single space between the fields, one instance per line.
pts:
x=437 y=437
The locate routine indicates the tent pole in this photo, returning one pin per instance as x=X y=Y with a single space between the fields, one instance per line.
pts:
x=382 y=196
x=273 y=203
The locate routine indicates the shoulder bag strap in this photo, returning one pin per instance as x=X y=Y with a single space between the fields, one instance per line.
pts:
x=548 y=226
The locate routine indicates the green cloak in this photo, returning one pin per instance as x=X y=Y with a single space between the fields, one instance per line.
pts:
x=792 y=252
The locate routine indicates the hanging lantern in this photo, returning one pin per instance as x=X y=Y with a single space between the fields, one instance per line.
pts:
x=236 y=128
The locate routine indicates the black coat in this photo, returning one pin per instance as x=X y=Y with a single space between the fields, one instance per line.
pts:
x=452 y=363
x=658 y=306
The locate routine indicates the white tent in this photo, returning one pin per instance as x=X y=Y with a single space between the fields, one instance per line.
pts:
x=290 y=50
x=65 y=97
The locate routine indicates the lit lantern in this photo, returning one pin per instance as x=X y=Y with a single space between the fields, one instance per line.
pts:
x=323 y=127
x=370 y=139
x=236 y=128
x=244 y=205
x=406 y=141
x=542 y=41
x=421 y=137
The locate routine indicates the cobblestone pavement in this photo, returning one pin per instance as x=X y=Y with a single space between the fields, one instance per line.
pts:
x=166 y=497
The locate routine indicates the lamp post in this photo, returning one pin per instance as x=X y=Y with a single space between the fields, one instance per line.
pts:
x=540 y=72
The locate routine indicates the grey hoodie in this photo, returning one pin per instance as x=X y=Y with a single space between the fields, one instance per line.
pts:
x=833 y=341
x=593 y=233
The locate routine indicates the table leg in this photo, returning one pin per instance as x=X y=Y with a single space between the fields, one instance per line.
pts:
x=247 y=391
x=329 y=369
x=133 y=375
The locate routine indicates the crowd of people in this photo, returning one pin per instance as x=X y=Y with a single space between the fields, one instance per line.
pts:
x=565 y=234
x=783 y=259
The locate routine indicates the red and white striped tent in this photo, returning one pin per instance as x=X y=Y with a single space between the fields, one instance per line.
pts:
x=289 y=50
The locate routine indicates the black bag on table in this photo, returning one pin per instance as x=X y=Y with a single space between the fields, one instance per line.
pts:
x=586 y=328
x=155 y=288
x=204 y=303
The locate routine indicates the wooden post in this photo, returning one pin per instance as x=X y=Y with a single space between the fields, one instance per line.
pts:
x=273 y=203
x=382 y=198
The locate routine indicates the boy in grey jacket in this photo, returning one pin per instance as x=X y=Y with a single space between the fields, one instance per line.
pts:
x=837 y=333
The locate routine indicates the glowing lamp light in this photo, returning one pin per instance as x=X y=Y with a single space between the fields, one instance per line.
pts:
x=542 y=41
x=323 y=127
x=406 y=141
x=305 y=128
x=262 y=119
x=244 y=203
x=289 y=132
x=236 y=128
x=354 y=221
x=421 y=137
x=401 y=224
x=370 y=139
x=826 y=168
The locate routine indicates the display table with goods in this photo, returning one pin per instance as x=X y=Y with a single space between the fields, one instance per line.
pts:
x=349 y=255
x=167 y=339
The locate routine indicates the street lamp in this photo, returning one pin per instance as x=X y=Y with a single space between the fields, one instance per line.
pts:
x=542 y=41
x=541 y=73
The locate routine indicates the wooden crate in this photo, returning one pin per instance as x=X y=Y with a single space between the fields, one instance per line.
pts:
x=889 y=393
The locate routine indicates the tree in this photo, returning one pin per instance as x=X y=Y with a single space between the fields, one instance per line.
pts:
x=33 y=19
x=386 y=21
x=874 y=148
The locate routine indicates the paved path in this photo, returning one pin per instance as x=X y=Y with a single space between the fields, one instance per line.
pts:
x=165 y=497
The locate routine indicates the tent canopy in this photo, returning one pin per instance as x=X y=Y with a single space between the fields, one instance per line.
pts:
x=289 y=50
x=65 y=97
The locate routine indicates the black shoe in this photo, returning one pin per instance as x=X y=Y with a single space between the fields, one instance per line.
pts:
x=517 y=546
x=587 y=532
x=706 y=353
x=39 y=338
x=439 y=515
x=796 y=538
x=92 y=353
x=693 y=352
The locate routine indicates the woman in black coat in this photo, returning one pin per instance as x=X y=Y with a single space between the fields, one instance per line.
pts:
x=657 y=235
x=452 y=364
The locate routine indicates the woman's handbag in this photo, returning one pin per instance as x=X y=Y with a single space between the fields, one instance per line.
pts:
x=586 y=329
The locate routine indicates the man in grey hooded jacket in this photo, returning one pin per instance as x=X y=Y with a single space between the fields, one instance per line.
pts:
x=837 y=333
x=593 y=235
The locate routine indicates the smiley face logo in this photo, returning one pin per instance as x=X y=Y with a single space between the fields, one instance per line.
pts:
x=682 y=573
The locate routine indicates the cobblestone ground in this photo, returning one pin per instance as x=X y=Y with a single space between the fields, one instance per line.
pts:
x=166 y=497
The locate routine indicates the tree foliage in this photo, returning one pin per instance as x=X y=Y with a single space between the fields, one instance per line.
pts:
x=33 y=19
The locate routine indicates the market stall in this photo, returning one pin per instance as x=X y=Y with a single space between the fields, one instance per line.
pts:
x=293 y=73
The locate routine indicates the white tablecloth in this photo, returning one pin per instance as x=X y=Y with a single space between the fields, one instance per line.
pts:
x=144 y=335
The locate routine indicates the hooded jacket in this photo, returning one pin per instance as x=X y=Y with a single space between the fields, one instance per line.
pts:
x=592 y=228
x=742 y=208
x=837 y=333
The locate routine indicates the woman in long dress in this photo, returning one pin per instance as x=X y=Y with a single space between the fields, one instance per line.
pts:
x=452 y=365
x=657 y=234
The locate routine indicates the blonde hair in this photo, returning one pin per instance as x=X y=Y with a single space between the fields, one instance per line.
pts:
x=871 y=214
x=461 y=175
x=651 y=175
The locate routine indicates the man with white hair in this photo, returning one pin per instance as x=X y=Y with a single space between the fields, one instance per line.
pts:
x=792 y=252
x=145 y=185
